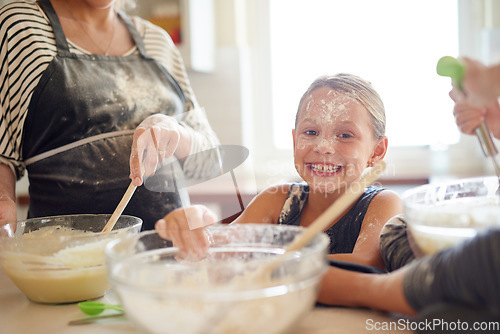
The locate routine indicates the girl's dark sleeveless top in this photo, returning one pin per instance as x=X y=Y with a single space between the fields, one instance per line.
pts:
x=344 y=234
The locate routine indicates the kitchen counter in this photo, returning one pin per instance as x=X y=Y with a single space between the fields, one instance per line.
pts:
x=20 y=316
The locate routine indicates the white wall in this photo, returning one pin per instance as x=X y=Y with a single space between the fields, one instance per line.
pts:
x=220 y=94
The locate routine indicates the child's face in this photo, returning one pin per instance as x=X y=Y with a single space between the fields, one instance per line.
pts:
x=333 y=140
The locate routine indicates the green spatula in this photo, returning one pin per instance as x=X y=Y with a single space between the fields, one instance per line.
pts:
x=451 y=67
x=455 y=69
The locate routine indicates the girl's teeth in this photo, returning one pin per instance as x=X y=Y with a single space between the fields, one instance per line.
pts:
x=324 y=168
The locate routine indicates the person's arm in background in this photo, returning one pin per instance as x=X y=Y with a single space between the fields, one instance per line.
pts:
x=10 y=148
x=475 y=268
x=193 y=124
x=8 y=209
x=191 y=132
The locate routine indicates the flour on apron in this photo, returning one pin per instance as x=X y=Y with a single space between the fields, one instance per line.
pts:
x=79 y=127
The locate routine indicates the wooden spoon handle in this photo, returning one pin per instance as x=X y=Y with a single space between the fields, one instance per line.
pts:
x=119 y=209
x=337 y=208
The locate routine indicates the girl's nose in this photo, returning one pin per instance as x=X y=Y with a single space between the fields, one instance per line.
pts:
x=325 y=146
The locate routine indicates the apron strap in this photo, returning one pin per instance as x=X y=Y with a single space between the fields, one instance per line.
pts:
x=61 y=42
x=135 y=34
x=75 y=144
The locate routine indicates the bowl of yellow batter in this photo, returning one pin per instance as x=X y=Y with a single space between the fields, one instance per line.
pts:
x=60 y=259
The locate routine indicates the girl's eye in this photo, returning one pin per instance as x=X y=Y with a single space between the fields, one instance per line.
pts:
x=346 y=135
x=310 y=132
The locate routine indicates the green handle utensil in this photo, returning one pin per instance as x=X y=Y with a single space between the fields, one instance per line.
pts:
x=448 y=66
x=451 y=67
x=95 y=308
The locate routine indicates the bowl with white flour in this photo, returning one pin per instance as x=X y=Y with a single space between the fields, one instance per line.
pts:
x=229 y=290
x=442 y=215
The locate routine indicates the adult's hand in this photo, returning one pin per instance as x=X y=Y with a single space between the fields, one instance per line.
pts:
x=157 y=138
x=468 y=117
x=480 y=83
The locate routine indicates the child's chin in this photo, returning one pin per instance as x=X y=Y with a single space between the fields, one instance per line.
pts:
x=324 y=188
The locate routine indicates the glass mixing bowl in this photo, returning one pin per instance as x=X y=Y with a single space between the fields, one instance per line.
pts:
x=60 y=259
x=442 y=215
x=227 y=291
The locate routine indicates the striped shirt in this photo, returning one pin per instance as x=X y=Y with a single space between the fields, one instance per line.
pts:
x=27 y=46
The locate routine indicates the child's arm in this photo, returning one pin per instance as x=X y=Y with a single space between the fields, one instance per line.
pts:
x=185 y=228
x=383 y=292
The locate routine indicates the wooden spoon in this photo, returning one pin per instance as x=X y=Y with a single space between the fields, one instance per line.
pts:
x=119 y=209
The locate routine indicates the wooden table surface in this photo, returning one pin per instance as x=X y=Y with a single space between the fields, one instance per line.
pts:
x=18 y=315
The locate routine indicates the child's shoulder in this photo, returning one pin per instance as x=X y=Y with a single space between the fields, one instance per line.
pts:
x=273 y=194
x=385 y=205
x=267 y=205
x=278 y=189
x=385 y=196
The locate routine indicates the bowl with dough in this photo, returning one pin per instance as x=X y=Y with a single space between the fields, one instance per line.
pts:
x=60 y=259
x=245 y=283
x=444 y=214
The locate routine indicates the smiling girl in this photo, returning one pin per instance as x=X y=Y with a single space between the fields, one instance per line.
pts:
x=339 y=132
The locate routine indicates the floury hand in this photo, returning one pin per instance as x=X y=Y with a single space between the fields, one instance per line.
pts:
x=155 y=140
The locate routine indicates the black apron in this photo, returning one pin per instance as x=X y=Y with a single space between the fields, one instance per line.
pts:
x=79 y=128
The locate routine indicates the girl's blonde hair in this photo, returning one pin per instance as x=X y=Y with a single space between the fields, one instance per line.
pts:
x=358 y=88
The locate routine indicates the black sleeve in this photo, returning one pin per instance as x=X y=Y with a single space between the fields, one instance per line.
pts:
x=394 y=244
x=467 y=275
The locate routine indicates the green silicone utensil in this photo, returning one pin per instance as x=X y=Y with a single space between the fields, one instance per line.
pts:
x=95 y=308
x=451 y=67
x=448 y=66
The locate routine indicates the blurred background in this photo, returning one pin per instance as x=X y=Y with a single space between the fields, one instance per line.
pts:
x=249 y=62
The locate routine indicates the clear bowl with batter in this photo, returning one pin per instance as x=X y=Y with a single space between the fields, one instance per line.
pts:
x=442 y=215
x=230 y=290
x=60 y=259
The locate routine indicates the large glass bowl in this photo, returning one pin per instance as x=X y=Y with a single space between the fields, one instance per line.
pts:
x=60 y=259
x=442 y=215
x=230 y=290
